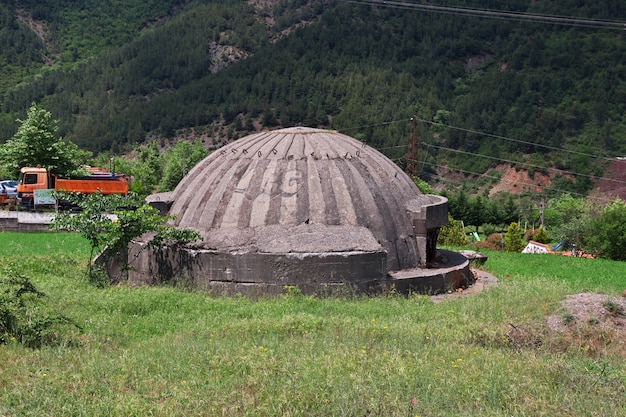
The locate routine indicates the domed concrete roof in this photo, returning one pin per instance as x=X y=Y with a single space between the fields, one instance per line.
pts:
x=314 y=185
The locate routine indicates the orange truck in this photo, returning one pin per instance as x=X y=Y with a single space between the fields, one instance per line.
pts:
x=33 y=179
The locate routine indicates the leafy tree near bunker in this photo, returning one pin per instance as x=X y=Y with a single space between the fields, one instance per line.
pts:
x=110 y=223
x=35 y=144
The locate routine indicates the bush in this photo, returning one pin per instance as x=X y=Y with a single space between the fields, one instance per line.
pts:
x=24 y=318
x=496 y=239
x=489 y=229
x=528 y=236
x=451 y=234
x=423 y=186
x=493 y=242
x=538 y=235
x=541 y=236
x=609 y=232
x=513 y=241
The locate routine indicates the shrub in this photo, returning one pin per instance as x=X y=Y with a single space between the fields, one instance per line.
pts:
x=489 y=229
x=24 y=318
x=496 y=239
x=528 y=236
x=423 y=186
x=538 y=235
x=513 y=240
x=541 y=235
x=451 y=234
x=493 y=242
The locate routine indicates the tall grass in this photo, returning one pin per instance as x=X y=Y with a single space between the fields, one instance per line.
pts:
x=169 y=352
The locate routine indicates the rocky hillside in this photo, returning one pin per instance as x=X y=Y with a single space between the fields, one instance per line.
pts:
x=613 y=181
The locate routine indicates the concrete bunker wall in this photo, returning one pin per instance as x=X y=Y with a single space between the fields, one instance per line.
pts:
x=427 y=213
x=257 y=273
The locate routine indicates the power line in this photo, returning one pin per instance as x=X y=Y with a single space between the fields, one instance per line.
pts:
x=507 y=15
x=484 y=175
x=498 y=14
x=576 y=174
x=492 y=135
x=553 y=148
x=558 y=171
x=374 y=125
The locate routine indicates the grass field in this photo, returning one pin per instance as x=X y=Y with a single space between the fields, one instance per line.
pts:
x=170 y=352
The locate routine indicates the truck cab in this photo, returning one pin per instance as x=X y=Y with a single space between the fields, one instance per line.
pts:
x=31 y=179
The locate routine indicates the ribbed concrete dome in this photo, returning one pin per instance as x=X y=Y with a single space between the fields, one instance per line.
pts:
x=299 y=176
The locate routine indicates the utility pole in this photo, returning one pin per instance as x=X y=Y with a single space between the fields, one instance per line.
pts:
x=542 y=210
x=412 y=154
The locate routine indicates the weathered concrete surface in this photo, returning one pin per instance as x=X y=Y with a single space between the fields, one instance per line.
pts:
x=312 y=273
x=22 y=221
x=257 y=272
x=312 y=257
x=305 y=207
x=432 y=209
x=316 y=239
x=427 y=213
x=160 y=201
x=297 y=176
x=451 y=271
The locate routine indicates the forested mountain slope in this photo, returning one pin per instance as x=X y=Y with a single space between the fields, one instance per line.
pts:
x=512 y=89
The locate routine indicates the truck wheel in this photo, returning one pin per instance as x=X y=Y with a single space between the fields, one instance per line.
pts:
x=28 y=205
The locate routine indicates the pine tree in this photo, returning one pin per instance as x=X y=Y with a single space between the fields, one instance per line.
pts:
x=513 y=241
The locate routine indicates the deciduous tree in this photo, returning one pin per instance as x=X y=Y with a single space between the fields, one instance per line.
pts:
x=36 y=144
x=111 y=222
x=608 y=238
x=179 y=160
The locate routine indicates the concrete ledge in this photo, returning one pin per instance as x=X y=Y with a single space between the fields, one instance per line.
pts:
x=19 y=221
x=451 y=271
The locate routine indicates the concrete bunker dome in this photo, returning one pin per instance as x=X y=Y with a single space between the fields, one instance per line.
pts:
x=305 y=207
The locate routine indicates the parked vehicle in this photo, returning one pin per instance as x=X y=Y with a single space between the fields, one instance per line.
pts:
x=37 y=178
x=8 y=191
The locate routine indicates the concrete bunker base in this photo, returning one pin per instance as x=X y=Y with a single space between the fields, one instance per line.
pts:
x=228 y=273
x=322 y=274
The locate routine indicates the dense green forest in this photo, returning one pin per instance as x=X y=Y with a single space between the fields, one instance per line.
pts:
x=536 y=94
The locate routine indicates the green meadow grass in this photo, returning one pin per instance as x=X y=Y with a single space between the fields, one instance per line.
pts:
x=37 y=244
x=578 y=274
x=170 y=352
